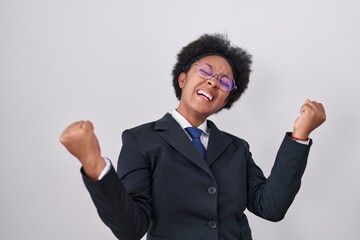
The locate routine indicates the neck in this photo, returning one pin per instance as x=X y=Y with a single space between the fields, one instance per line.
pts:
x=194 y=119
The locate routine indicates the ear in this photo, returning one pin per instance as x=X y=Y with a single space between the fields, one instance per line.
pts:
x=182 y=79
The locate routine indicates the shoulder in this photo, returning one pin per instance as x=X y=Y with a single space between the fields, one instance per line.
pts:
x=238 y=141
x=146 y=129
x=140 y=130
x=223 y=134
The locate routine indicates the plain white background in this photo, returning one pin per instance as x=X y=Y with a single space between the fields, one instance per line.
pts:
x=110 y=62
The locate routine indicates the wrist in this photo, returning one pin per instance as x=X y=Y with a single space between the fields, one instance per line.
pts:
x=300 y=139
x=300 y=134
x=93 y=169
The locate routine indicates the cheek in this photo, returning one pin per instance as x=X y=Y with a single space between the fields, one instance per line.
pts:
x=223 y=101
x=224 y=98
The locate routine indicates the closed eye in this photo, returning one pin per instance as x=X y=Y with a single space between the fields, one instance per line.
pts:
x=204 y=72
x=226 y=82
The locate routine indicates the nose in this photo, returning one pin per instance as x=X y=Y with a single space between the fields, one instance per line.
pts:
x=213 y=81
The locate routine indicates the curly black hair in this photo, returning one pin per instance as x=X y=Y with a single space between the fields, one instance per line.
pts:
x=215 y=44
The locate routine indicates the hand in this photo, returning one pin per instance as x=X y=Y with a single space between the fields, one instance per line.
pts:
x=79 y=139
x=312 y=115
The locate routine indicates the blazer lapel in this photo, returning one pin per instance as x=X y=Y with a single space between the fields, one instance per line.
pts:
x=218 y=142
x=177 y=138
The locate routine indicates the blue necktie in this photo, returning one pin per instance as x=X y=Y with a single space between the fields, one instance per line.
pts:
x=195 y=134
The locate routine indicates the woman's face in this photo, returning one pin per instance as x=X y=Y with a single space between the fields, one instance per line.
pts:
x=200 y=98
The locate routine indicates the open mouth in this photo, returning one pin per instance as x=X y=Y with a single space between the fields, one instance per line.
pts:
x=207 y=95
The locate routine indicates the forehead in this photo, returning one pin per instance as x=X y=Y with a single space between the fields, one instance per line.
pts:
x=219 y=63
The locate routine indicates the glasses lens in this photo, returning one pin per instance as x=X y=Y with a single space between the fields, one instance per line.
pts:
x=226 y=83
x=206 y=71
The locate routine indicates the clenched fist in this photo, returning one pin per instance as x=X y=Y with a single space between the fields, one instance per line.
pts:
x=80 y=140
x=312 y=115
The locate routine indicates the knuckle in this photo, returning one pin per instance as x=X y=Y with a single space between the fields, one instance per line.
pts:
x=64 y=139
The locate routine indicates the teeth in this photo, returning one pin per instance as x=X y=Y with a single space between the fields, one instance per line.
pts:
x=205 y=94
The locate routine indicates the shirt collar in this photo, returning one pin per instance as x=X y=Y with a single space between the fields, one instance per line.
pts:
x=184 y=123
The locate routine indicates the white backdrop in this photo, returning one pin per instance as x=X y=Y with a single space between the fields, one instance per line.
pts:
x=110 y=61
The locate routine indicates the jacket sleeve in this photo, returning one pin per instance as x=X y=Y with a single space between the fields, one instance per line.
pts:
x=270 y=198
x=123 y=202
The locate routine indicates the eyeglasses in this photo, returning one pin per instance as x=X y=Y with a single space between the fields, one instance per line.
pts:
x=207 y=71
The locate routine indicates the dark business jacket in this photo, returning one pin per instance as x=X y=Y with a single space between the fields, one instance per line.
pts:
x=165 y=188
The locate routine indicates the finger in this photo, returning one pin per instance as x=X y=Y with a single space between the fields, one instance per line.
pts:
x=304 y=107
x=317 y=109
x=65 y=134
x=322 y=107
x=317 y=106
x=321 y=111
x=87 y=125
x=77 y=124
x=313 y=105
x=69 y=129
x=80 y=124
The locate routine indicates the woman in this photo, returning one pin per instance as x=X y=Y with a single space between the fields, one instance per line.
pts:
x=180 y=177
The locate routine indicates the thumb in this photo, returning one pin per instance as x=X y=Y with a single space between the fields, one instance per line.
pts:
x=302 y=109
x=88 y=126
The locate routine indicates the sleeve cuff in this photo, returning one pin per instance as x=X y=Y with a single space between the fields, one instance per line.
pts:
x=106 y=168
x=307 y=142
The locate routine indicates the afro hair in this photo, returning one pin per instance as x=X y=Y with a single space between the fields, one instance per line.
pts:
x=215 y=44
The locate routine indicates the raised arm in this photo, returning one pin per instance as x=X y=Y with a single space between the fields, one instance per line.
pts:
x=124 y=209
x=270 y=198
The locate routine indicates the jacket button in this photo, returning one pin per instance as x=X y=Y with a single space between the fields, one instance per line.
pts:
x=212 y=224
x=212 y=190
